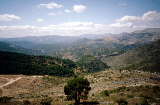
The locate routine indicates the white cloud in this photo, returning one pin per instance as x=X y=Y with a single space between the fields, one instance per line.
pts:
x=67 y=11
x=55 y=13
x=129 y=19
x=151 y=15
x=121 y=25
x=79 y=8
x=9 y=17
x=69 y=28
x=148 y=16
x=149 y=19
x=51 y=5
x=40 y=20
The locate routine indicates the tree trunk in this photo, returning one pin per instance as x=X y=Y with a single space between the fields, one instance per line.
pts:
x=77 y=99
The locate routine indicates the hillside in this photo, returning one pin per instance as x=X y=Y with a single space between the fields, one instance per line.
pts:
x=42 y=45
x=106 y=88
x=139 y=37
x=4 y=46
x=110 y=45
x=74 y=47
x=117 y=50
x=44 y=77
x=145 y=57
x=91 y=64
x=15 y=63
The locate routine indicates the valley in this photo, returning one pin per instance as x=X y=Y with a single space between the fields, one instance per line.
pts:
x=118 y=51
x=79 y=52
x=120 y=68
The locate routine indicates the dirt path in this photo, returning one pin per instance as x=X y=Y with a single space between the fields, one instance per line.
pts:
x=4 y=78
x=10 y=82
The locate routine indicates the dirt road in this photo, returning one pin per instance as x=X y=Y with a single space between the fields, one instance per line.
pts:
x=10 y=81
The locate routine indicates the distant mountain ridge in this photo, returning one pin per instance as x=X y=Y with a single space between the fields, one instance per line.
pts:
x=146 y=57
x=75 y=47
x=4 y=46
x=111 y=45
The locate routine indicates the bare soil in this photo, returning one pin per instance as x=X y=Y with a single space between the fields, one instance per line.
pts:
x=23 y=87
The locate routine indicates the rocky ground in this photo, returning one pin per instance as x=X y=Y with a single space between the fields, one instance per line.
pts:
x=23 y=87
x=111 y=79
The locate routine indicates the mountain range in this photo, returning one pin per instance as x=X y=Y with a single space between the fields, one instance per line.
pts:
x=116 y=50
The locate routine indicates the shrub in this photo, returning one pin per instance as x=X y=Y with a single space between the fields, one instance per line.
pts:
x=5 y=99
x=130 y=96
x=46 y=101
x=144 y=102
x=1 y=92
x=105 y=93
x=26 y=102
x=121 y=101
x=119 y=89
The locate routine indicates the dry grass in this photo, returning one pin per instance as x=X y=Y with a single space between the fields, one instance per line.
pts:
x=34 y=88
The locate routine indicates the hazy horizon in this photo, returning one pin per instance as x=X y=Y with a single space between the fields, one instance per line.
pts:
x=20 y=18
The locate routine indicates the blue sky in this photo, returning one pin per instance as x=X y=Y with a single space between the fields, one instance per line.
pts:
x=75 y=17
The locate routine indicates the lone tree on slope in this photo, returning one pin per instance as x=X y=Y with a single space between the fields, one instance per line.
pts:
x=77 y=88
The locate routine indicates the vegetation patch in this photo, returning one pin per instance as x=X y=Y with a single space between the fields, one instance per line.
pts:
x=35 y=65
x=91 y=64
x=5 y=99
x=142 y=95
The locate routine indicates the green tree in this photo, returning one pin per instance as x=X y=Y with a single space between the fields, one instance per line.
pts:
x=77 y=88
